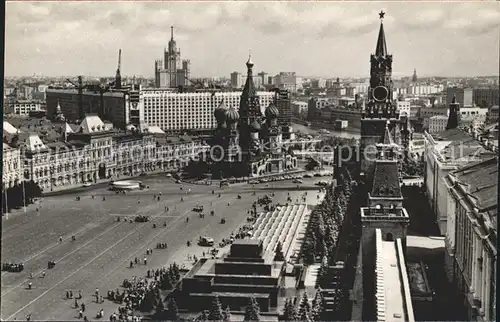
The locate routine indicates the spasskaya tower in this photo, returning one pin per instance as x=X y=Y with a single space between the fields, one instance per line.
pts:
x=380 y=111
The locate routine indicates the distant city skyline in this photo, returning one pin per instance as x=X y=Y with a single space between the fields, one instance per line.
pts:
x=331 y=39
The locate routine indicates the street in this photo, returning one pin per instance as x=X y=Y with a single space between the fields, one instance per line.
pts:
x=104 y=247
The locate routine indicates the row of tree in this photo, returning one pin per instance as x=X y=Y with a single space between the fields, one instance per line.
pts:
x=314 y=311
x=216 y=313
x=325 y=223
x=15 y=198
x=413 y=167
x=170 y=313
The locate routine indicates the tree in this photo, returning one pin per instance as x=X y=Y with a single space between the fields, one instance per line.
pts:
x=166 y=282
x=337 y=301
x=176 y=272
x=318 y=307
x=227 y=314
x=278 y=255
x=215 y=313
x=308 y=252
x=160 y=309
x=172 y=310
x=304 y=309
x=289 y=312
x=148 y=302
x=323 y=273
x=252 y=311
x=203 y=316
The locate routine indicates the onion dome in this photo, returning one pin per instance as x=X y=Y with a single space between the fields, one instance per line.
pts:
x=249 y=62
x=272 y=111
x=232 y=115
x=220 y=112
x=255 y=126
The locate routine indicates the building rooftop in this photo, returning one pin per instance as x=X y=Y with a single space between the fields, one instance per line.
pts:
x=7 y=147
x=457 y=145
x=481 y=182
x=439 y=117
x=92 y=124
x=87 y=92
x=393 y=296
x=9 y=128
x=450 y=135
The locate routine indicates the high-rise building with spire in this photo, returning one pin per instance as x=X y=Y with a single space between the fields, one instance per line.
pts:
x=171 y=71
x=414 y=77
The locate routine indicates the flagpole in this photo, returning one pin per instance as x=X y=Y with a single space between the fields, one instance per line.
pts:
x=6 y=204
x=24 y=197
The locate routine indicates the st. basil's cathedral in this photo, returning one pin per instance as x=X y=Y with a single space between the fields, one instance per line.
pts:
x=247 y=143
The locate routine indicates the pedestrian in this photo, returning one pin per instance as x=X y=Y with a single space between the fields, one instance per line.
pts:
x=43 y=274
x=145 y=261
x=31 y=275
x=28 y=317
x=85 y=319
x=131 y=264
x=80 y=294
x=101 y=299
x=29 y=285
x=60 y=239
x=136 y=260
x=70 y=294
x=67 y=294
x=76 y=303
x=83 y=307
x=80 y=314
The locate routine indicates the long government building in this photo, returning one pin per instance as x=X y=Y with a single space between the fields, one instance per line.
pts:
x=167 y=109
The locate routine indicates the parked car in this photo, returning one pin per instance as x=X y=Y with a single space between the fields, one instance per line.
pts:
x=206 y=241
x=87 y=184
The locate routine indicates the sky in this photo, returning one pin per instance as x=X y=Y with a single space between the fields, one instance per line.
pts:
x=323 y=39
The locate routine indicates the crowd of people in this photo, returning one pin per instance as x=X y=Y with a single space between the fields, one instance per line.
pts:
x=12 y=267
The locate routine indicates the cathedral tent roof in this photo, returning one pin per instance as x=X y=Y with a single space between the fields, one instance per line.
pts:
x=387 y=137
x=386 y=180
x=381 y=49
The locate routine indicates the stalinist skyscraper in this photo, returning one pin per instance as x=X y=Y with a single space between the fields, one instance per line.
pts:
x=170 y=72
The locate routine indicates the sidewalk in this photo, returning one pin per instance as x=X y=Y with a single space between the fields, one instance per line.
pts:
x=68 y=189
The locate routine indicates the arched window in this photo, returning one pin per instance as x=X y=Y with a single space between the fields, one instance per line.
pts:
x=389 y=237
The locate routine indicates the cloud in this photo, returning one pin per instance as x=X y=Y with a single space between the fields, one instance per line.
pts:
x=301 y=36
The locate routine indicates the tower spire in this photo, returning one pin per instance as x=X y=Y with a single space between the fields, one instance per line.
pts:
x=381 y=49
x=453 y=118
x=171 y=32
